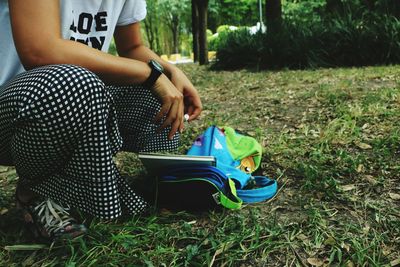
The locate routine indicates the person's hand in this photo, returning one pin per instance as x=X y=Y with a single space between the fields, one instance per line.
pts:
x=193 y=106
x=171 y=105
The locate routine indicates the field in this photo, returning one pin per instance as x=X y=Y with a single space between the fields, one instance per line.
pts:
x=331 y=138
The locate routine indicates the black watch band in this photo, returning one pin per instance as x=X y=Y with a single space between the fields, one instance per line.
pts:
x=156 y=71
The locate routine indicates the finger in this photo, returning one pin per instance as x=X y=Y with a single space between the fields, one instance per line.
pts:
x=195 y=114
x=190 y=110
x=176 y=123
x=196 y=107
x=174 y=128
x=171 y=117
x=163 y=111
x=182 y=121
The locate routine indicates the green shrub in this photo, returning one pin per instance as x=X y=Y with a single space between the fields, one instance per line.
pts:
x=212 y=43
x=237 y=49
x=223 y=28
x=344 y=41
x=367 y=41
x=213 y=40
x=305 y=12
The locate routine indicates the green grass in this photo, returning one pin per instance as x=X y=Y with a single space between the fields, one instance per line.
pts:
x=332 y=139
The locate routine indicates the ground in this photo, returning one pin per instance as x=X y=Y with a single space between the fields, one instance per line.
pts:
x=331 y=138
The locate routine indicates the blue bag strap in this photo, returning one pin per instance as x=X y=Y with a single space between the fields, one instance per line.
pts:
x=267 y=189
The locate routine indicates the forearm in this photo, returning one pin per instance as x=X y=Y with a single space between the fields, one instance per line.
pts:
x=144 y=54
x=111 y=69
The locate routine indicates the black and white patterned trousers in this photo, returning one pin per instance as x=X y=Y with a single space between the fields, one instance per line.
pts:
x=61 y=126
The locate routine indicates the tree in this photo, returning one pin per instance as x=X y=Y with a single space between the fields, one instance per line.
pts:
x=195 y=31
x=151 y=26
x=200 y=33
x=232 y=12
x=273 y=12
x=172 y=12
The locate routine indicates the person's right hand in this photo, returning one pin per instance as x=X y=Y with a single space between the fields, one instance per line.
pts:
x=172 y=106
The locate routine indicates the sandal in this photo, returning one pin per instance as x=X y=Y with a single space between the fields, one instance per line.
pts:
x=49 y=221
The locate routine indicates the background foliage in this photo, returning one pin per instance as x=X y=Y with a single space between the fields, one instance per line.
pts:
x=314 y=33
x=159 y=34
x=343 y=41
x=318 y=33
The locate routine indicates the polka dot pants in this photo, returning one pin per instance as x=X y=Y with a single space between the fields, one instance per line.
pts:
x=61 y=126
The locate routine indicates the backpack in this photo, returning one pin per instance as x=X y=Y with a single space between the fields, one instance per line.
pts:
x=197 y=188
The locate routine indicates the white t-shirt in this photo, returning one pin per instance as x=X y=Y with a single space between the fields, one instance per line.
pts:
x=91 y=22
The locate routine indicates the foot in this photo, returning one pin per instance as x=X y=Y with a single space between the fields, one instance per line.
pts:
x=50 y=221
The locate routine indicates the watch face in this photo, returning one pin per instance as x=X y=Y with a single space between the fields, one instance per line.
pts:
x=157 y=65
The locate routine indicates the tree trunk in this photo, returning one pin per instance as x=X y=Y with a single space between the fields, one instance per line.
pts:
x=203 y=55
x=157 y=46
x=273 y=12
x=396 y=8
x=149 y=32
x=195 y=30
x=175 y=35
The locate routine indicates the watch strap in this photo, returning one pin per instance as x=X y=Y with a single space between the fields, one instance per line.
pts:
x=151 y=80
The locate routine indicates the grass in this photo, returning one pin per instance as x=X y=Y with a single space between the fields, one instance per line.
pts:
x=332 y=139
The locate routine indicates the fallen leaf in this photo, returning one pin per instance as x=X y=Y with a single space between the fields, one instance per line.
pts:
x=395 y=262
x=360 y=168
x=302 y=237
x=251 y=133
x=25 y=247
x=366 y=229
x=386 y=250
x=349 y=264
x=354 y=213
x=315 y=262
x=330 y=241
x=346 y=246
x=363 y=146
x=348 y=187
x=3 y=211
x=394 y=196
x=3 y=169
x=370 y=179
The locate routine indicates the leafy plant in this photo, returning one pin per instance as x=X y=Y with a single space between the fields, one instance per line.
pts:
x=343 y=41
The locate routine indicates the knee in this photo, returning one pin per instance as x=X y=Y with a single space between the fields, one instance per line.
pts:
x=65 y=91
x=69 y=86
x=70 y=79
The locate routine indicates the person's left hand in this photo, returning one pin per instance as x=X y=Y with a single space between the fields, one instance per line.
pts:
x=192 y=102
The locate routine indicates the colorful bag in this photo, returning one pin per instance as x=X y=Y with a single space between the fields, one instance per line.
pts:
x=237 y=156
x=197 y=188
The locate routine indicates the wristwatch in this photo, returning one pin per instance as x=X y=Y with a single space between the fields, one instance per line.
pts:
x=156 y=71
